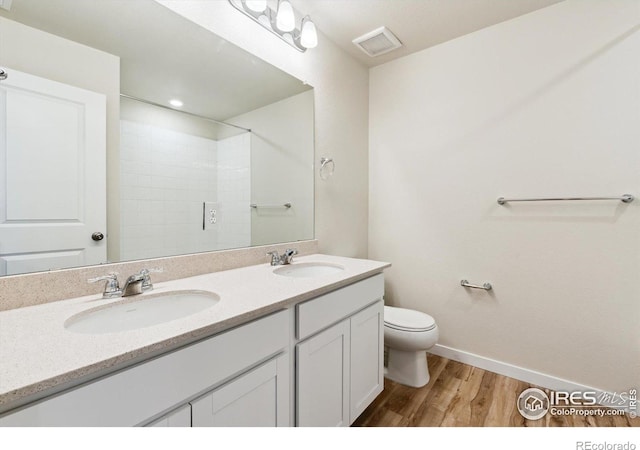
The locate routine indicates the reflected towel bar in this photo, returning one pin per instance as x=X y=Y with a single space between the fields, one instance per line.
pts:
x=256 y=206
x=485 y=286
x=626 y=198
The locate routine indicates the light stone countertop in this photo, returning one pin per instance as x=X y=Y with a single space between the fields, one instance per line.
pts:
x=39 y=357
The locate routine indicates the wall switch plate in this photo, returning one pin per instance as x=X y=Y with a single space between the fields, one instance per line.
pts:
x=209 y=215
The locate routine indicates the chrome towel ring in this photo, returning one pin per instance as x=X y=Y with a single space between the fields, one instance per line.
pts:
x=327 y=167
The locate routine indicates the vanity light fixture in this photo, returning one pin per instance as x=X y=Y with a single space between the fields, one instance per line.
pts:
x=281 y=22
x=176 y=103
x=285 y=19
x=256 y=5
x=308 y=34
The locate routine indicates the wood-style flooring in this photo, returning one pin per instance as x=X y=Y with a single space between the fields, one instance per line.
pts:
x=459 y=395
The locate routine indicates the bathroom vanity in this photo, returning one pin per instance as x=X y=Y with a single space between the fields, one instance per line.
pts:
x=276 y=350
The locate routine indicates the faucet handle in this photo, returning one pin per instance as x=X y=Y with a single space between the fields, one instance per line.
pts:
x=275 y=258
x=109 y=276
x=146 y=277
x=153 y=270
x=111 y=287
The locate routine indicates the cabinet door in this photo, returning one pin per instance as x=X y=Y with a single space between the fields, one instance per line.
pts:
x=258 y=398
x=367 y=353
x=178 y=418
x=322 y=386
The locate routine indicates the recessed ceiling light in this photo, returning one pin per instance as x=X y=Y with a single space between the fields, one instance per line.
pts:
x=176 y=103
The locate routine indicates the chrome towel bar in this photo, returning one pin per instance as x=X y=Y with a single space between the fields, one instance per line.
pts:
x=485 y=286
x=284 y=205
x=626 y=198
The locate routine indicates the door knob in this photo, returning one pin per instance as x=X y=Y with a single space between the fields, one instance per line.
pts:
x=97 y=236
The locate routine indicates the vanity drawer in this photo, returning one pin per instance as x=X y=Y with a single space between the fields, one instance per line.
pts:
x=321 y=312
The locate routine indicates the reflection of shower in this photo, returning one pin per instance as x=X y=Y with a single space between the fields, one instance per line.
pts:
x=185 y=192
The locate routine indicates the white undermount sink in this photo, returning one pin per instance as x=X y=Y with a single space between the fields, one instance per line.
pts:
x=308 y=269
x=132 y=313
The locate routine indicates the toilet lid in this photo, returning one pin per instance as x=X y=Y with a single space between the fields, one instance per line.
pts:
x=407 y=319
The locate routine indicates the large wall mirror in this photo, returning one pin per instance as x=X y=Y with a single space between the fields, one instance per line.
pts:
x=128 y=132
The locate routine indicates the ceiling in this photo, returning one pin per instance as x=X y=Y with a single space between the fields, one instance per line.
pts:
x=163 y=55
x=418 y=24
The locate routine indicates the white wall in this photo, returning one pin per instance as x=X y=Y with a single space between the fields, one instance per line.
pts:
x=341 y=115
x=281 y=169
x=546 y=104
x=45 y=55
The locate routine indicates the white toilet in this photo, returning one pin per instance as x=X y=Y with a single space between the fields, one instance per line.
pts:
x=408 y=334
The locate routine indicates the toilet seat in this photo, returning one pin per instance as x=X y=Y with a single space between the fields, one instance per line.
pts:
x=408 y=320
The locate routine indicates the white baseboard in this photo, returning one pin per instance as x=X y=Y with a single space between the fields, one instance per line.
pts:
x=519 y=373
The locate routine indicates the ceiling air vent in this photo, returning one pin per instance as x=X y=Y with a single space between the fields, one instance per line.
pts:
x=377 y=42
x=5 y=4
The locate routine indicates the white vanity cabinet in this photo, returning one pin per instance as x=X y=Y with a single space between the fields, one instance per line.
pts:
x=366 y=368
x=322 y=389
x=178 y=418
x=158 y=391
x=318 y=363
x=340 y=368
x=258 y=398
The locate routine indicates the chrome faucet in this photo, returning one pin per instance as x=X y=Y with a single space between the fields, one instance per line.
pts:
x=111 y=287
x=285 y=258
x=135 y=284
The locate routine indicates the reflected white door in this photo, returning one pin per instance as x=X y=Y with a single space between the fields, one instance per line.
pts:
x=52 y=175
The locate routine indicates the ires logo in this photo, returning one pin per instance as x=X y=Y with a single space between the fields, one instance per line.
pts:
x=563 y=398
x=534 y=403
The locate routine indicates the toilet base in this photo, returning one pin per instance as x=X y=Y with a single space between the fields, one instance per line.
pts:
x=408 y=368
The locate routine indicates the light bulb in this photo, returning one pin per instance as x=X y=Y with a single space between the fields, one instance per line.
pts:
x=287 y=37
x=176 y=103
x=264 y=21
x=256 y=5
x=285 y=19
x=308 y=35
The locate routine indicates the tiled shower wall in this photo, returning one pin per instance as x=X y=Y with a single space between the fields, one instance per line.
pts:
x=165 y=178
x=234 y=191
